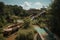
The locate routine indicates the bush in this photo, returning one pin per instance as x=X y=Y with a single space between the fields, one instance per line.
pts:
x=27 y=23
x=25 y=34
x=1 y=37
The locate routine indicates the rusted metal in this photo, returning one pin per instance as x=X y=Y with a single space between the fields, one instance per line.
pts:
x=11 y=29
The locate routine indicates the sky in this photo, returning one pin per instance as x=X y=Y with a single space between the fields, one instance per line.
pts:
x=27 y=4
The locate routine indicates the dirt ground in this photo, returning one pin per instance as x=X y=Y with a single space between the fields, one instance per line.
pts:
x=12 y=37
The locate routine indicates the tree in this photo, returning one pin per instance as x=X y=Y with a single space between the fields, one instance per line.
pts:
x=1 y=12
x=55 y=21
x=17 y=10
x=27 y=23
x=1 y=8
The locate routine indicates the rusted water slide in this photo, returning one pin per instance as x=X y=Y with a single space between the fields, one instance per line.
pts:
x=11 y=29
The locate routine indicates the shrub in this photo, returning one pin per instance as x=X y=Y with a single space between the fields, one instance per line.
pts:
x=25 y=34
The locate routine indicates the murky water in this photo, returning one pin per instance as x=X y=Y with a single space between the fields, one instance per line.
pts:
x=45 y=35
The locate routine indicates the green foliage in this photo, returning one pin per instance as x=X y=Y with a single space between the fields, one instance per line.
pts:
x=7 y=11
x=25 y=34
x=55 y=20
x=1 y=8
x=17 y=10
x=1 y=37
x=27 y=23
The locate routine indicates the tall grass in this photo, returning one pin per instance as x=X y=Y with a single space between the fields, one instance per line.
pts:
x=25 y=34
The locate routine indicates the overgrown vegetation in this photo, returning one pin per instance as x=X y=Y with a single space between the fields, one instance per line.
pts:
x=1 y=37
x=25 y=34
x=55 y=19
x=11 y=13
